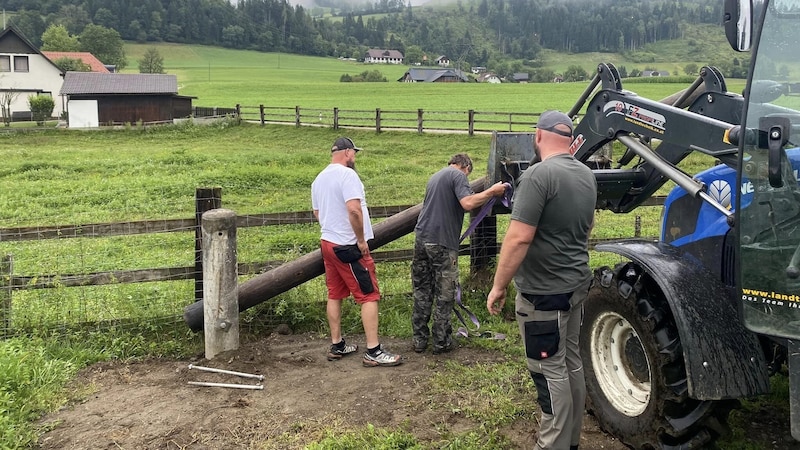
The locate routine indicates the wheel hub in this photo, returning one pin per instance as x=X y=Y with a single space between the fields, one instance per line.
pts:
x=620 y=363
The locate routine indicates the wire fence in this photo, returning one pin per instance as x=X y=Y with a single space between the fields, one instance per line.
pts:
x=65 y=274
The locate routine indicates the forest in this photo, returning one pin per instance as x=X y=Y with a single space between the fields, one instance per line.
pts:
x=469 y=32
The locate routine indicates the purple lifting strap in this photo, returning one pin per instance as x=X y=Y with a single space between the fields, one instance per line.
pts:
x=485 y=210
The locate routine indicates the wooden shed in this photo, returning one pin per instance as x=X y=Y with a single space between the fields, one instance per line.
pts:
x=114 y=98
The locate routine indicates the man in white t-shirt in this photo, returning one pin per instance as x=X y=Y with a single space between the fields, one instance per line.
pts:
x=340 y=206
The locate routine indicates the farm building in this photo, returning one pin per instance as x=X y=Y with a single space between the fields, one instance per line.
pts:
x=85 y=57
x=433 y=75
x=115 y=98
x=25 y=71
x=375 y=55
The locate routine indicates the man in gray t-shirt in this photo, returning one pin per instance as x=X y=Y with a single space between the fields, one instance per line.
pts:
x=545 y=250
x=434 y=268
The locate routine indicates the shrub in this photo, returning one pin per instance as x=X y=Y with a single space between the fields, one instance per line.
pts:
x=41 y=107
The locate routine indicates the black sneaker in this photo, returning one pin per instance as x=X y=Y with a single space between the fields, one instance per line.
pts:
x=420 y=347
x=337 y=352
x=446 y=349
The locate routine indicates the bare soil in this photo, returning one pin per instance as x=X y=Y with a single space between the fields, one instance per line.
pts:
x=150 y=405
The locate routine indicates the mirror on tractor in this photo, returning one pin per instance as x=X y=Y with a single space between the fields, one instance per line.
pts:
x=738 y=22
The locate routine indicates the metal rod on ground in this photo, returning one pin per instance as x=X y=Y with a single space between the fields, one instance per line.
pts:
x=229 y=372
x=257 y=387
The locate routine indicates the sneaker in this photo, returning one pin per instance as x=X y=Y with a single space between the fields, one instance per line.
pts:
x=420 y=347
x=381 y=358
x=446 y=349
x=336 y=352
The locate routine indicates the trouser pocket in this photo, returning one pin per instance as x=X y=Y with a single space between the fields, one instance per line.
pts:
x=541 y=339
x=361 y=275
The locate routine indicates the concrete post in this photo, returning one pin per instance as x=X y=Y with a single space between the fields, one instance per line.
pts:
x=220 y=283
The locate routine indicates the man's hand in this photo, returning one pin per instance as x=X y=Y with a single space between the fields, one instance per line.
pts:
x=496 y=300
x=364 y=247
x=498 y=189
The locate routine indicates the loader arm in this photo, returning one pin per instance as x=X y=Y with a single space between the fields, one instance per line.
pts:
x=659 y=134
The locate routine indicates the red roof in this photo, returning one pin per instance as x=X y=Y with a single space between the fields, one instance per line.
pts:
x=86 y=57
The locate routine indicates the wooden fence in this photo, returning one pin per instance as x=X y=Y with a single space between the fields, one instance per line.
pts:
x=206 y=199
x=469 y=121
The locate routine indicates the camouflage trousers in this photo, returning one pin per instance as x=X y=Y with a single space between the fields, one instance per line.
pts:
x=434 y=275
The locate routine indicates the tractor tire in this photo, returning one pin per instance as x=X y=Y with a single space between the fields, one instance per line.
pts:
x=634 y=367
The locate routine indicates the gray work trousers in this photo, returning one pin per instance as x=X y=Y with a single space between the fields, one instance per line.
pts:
x=550 y=334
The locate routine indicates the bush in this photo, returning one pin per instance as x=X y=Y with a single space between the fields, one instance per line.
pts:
x=41 y=107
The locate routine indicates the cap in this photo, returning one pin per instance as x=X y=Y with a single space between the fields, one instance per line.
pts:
x=344 y=143
x=549 y=119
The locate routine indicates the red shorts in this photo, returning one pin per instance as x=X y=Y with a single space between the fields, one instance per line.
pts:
x=342 y=278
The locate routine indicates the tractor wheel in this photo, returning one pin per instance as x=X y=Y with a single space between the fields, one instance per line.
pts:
x=633 y=362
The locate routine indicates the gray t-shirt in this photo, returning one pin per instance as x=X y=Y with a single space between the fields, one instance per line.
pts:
x=558 y=197
x=442 y=215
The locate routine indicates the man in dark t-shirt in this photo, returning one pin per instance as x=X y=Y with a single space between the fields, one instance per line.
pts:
x=545 y=250
x=434 y=268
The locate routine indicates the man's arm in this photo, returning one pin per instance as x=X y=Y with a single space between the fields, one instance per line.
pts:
x=357 y=222
x=473 y=201
x=515 y=245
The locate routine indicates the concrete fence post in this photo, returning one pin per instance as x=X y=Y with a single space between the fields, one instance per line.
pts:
x=220 y=282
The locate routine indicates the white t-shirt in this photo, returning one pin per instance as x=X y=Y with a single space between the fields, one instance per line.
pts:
x=330 y=191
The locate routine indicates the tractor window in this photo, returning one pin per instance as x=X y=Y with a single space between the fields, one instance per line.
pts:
x=681 y=218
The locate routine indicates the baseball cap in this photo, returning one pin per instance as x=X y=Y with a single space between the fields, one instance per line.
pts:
x=344 y=143
x=549 y=119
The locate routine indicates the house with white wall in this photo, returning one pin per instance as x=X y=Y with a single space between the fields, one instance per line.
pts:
x=25 y=71
x=380 y=56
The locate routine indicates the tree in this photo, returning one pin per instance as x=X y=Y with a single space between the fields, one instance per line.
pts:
x=7 y=97
x=413 y=54
x=41 y=107
x=104 y=43
x=690 y=69
x=151 y=62
x=72 y=65
x=575 y=73
x=56 y=38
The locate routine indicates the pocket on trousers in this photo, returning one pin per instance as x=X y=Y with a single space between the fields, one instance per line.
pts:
x=347 y=253
x=541 y=339
x=362 y=276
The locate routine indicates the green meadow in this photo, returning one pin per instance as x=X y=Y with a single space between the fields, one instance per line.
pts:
x=224 y=78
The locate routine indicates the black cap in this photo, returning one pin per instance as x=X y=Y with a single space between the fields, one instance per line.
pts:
x=549 y=119
x=343 y=143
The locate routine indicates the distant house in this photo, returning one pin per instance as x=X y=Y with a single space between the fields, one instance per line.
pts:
x=655 y=73
x=478 y=69
x=25 y=71
x=488 y=77
x=443 y=61
x=85 y=57
x=521 y=77
x=115 y=98
x=433 y=75
x=379 y=56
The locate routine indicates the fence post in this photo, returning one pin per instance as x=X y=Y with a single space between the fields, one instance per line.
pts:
x=297 y=116
x=220 y=286
x=261 y=112
x=637 y=226
x=482 y=246
x=377 y=120
x=510 y=120
x=238 y=111
x=6 y=286
x=471 y=122
x=419 y=121
x=205 y=199
x=335 y=118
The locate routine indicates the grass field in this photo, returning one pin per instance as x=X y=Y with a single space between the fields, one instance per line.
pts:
x=220 y=77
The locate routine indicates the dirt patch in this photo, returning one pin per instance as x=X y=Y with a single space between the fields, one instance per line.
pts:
x=150 y=405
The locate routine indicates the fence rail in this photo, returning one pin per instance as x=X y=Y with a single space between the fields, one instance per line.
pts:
x=469 y=121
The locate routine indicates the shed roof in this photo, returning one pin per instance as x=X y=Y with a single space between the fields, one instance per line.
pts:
x=87 y=58
x=430 y=74
x=119 y=83
x=380 y=53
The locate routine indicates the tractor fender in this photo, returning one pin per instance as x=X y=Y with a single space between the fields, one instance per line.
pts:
x=722 y=358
